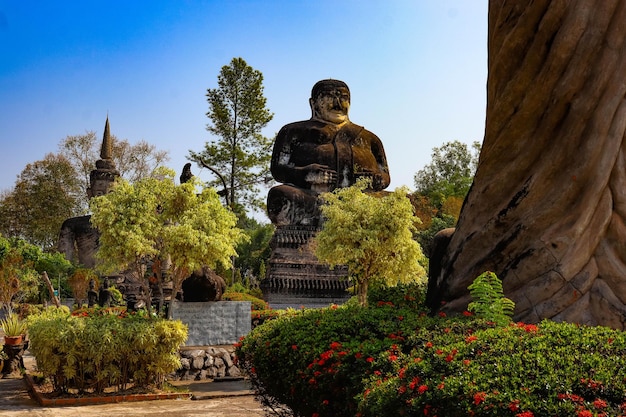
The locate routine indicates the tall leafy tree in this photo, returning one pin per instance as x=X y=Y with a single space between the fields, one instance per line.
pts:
x=450 y=172
x=45 y=194
x=240 y=156
x=372 y=236
x=156 y=222
x=133 y=161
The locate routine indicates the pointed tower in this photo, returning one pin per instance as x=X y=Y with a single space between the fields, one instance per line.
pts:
x=104 y=175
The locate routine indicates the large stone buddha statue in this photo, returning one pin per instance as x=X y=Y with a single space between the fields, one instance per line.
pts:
x=318 y=155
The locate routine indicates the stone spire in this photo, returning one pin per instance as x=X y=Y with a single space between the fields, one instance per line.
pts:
x=105 y=167
x=106 y=150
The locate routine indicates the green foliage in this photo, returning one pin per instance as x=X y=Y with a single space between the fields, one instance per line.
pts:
x=99 y=348
x=372 y=236
x=12 y=325
x=489 y=301
x=241 y=155
x=437 y=224
x=450 y=172
x=20 y=266
x=254 y=253
x=257 y=303
x=154 y=221
x=45 y=194
x=388 y=360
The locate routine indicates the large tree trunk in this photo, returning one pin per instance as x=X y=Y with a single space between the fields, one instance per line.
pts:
x=546 y=210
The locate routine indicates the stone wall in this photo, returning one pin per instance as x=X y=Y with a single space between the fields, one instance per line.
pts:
x=212 y=362
x=215 y=322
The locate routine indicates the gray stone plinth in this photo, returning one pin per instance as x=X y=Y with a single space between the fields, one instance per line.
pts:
x=214 y=322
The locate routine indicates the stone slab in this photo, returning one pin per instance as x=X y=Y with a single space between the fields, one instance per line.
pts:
x=214 y=322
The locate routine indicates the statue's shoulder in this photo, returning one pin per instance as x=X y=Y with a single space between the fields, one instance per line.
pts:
x=75 y=222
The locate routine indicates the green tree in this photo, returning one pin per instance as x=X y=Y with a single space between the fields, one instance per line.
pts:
x=133 y=161
x=450 y=173
x=241 y=155
x=254 y=252
x=372 y=236
x=21 y=265
x=45 y=194
x=155 y=222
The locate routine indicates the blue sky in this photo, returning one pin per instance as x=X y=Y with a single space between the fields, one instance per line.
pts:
x=417 y=70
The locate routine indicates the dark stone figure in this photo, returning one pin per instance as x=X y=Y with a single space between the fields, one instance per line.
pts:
x=318 y=155
x=104 y=298
x=92 y=294
x=78 y=240
x=203 y=285
x=311 y=157
x=186 y=175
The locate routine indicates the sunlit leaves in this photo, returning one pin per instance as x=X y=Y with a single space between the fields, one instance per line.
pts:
x=372 y=235
x=156 y=220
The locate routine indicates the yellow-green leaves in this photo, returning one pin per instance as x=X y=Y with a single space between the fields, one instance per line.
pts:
x=372 y=235
x=156 y=220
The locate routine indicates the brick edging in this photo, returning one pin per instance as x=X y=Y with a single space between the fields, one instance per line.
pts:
x=61 y=402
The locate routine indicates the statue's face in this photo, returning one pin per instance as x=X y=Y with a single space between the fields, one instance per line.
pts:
x=332 y=105
x=98 y=188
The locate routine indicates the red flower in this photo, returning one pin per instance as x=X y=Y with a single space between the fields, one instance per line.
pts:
x=429 y=344
x=294 y=347
x=466 y=362
x=335 y=345
x=441 y=386
x=325 y=402
x=370 y=359
x=402 y=389
x=393 y=357
x=525 y=414
x=468 y=313
x=449 y=358
x=422 y=389
x=584 y=413
x=470 y=339
x=479 y=397
x=315 y=415
x=358 y=355
x=442 y=314
x=414 y=382
x=599 y=404
x=514 y=405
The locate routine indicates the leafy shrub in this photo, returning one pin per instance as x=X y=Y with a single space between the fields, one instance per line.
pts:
x=489 y=301
x=98 y=348
x=551 y=369
x=257 y=303
x=388 y=360
x=314 y=360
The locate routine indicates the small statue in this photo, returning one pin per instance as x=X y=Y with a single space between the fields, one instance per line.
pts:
x=321 y=154
x=92 y=295
x=104 y=300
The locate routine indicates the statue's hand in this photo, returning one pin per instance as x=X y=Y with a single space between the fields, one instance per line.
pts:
x=320 y=174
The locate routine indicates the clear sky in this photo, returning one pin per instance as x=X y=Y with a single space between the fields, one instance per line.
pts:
x=417 y=70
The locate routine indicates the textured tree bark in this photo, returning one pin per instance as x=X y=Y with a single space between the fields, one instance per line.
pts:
x=547 y=209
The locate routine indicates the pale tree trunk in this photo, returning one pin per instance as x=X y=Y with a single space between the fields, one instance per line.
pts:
x=547 y=209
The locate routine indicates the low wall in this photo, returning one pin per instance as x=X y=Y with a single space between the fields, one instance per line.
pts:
x=214 y=322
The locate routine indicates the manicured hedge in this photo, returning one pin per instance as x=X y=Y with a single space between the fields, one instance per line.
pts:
x=392 y=359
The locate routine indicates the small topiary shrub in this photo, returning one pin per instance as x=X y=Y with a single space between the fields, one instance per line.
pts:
x=93 y=349
x=257 y=303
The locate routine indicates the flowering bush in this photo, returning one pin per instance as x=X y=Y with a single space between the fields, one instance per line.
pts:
x=92 y=349
x=390 y=359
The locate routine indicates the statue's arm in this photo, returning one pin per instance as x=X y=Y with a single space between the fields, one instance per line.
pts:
x=284 y=170
x=378 y=172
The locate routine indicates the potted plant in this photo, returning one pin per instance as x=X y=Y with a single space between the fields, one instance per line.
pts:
x=14 y=329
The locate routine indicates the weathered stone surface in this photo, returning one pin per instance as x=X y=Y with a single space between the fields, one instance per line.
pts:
x=546 y=210
x=215 y=322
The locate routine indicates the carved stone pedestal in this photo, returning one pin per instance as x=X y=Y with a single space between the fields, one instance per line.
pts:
x=295 y=276
x=15 y=362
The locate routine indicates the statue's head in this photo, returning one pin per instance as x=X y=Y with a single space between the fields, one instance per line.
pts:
x=330 y=101
x=100 y=181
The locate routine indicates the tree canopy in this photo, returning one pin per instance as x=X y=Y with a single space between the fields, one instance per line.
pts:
x=240 y=155
x=156 y=222
x=372 y=235
x=450 y=172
